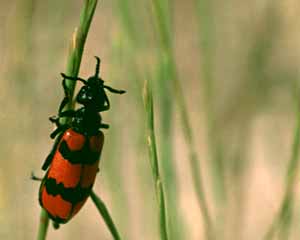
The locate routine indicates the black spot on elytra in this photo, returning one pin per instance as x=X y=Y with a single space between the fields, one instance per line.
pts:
x=82 y=156
x=72 y=195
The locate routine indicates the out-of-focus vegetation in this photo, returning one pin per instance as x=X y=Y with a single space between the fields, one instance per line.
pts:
x=225 y=90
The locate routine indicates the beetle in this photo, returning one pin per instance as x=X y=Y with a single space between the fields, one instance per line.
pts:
x=73 y=162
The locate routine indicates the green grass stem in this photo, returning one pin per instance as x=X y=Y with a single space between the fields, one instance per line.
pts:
x=134 y=45
x=43 y=227
x=105 y=215
x=148 y=101
x=176 y=223
x=177 y=228
x=78 y=42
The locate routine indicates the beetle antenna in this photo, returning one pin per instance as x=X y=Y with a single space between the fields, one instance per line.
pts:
x=97 y=66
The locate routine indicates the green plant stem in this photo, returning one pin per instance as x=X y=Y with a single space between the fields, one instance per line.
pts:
x=177 y=228
x=78 y=42
x=167 y=51
x=44 y=222
x=148 y=101
x=105 y=215
x=283 y=219
x=73 y=64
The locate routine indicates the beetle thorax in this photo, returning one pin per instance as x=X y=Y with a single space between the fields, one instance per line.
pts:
x=86 y=121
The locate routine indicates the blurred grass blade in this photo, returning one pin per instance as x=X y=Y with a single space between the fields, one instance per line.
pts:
x=126 y=19
x=73 y=64
x=105 y=215
x=167 y=51
x=207 y=46
x=162 y=24
x=282 y=221
x=148 y=101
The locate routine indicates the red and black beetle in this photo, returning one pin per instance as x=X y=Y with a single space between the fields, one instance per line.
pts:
x=73 y=163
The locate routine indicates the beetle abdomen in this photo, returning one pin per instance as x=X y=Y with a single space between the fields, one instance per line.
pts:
x=71 y=175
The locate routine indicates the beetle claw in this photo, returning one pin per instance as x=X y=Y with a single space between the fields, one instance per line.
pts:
x=55 y=225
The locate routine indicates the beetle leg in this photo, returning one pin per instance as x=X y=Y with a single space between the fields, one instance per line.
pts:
x=107 y=106
x=107 y=101
x=49 y=158
x=67 y=113
x=56 y=131
x=59 y=129
x=104 y=125
x=55 y=225
x=48 y=161
x=35 y=178
x=55 y=119
x=73 y=78
x=64 y=102
x=67 y=96
x=114 y=90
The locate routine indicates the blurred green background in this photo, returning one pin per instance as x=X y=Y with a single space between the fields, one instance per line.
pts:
x=237 y=63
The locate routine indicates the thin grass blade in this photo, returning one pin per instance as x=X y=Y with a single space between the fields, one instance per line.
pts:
x=105 y=215
x=148 y=101
x=167 y=51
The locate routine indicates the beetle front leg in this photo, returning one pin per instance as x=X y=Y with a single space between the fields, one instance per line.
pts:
x=58 y=130
x=73 y=78
x=67 y=113
x=103 y=125
x=67 y=97
x=114 y=90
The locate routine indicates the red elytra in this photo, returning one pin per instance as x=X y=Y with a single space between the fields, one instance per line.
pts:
x=71 y=175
